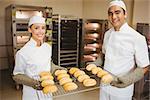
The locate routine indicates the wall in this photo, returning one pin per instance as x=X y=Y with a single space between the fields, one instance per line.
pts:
x=65 y=7
x=141 y=12
x=95 y=9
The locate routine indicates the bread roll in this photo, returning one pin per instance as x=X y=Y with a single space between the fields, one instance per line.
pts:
x=95 y=70
x=78 y=73
x=81 y=78
x=57 y=72
x=45 y=73
x=60 y=76
x=47 y=82
x=106 y=79
x=73 y=70
x=70 y=86
x=64 y=80
x=46 y=77
x=101 y=73
x=89 y=82
x=50 y=89
x=90 y=66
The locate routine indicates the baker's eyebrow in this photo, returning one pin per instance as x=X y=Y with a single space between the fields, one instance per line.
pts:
x=117 y=11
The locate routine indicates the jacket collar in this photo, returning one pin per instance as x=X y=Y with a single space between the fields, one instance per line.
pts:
x=33 y=42
x=123 y=28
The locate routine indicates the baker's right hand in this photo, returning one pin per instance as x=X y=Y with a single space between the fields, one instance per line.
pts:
x=26 y=80
x=37 y=85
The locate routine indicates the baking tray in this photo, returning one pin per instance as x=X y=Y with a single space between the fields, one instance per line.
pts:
x=61 y=92
x=81 y=88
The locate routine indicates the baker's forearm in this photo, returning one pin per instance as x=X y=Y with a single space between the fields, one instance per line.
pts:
x=129 y=78
x=26 y=80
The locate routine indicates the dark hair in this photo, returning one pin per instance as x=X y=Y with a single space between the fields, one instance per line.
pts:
x=124 y=12
x=30 y=26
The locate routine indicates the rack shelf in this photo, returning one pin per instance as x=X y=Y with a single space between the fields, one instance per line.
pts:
x=65 y=40
x=93 y=38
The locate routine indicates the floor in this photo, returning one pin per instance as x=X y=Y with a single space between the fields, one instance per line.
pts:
x=7 y=87
x=8 y=91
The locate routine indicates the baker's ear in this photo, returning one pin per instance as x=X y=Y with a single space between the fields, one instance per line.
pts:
x=29 y=30
x=125 y=15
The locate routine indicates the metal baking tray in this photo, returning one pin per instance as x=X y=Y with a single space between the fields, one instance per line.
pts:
x=61 y=92
x=81 y=88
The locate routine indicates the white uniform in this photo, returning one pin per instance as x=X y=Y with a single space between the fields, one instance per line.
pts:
x=31 y=60
x=122 y=49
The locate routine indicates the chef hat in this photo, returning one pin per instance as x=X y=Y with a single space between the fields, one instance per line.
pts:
x=119 y=3
x=36 y=19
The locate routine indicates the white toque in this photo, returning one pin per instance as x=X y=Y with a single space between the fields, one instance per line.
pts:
x=36 y=19
x=119 y=3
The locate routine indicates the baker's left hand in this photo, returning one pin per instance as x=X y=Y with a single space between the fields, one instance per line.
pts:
x=128 y=79
x=121 y=82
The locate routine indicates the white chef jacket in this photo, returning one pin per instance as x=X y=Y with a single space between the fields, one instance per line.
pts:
x=122 y=50
x=31 y=60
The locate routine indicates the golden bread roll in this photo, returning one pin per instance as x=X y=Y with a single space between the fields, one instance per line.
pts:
x=95 y=70
x=78 y=73
x=46 y=77
x=70 y=86
x=106 y=79
x=64 y=80
x=81 y=78
x=47 y=82
x=73 y=70
x=45 y=73
x=60 y=76
x=101 y=73
x=90 y=66
x=50 y=89
x=89 y=82
x=57 y=72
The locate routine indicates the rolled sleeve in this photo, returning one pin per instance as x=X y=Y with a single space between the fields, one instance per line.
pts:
x=19 y=64
x=141 y=52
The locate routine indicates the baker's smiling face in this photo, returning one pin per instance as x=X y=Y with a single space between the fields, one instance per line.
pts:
x=38 y=31
x=117 y=16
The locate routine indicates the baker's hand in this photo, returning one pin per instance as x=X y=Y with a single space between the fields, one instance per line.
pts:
x=38 y=86
x=26 y=80
x=128 y=79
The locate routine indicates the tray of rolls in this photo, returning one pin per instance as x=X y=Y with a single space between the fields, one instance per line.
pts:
x=71 y=81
